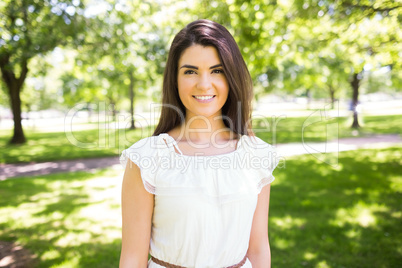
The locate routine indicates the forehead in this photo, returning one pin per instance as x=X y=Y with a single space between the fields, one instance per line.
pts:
x=200 y=55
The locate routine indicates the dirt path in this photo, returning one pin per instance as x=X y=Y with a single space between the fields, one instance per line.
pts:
x=345 y=144
x=15 y=256
x=32 y=169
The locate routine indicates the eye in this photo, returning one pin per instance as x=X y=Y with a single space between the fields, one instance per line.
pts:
x=189 y=72
x=218 y=71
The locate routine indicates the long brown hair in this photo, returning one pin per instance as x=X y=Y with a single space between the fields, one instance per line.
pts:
x=237 y=109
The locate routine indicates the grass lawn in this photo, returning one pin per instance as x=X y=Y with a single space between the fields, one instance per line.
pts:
x=317 y=129
x=41 y=147
x=66 y=220
x=97 y=143
x=347 y=215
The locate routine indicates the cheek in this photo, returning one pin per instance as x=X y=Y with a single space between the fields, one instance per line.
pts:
x=224 y=88
x=184 y=85
x=184 y=94
x=181 y=88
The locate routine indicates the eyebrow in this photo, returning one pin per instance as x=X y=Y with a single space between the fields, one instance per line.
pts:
x=196 y=68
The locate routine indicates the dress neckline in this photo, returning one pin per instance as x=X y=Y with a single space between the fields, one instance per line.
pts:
x=171 y=143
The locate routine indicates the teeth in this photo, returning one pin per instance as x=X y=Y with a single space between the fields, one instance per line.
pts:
x=203 y=97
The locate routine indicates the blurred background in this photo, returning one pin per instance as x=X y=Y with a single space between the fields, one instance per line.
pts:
x=81 y=80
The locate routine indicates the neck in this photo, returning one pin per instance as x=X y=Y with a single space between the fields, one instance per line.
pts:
x=203 y=129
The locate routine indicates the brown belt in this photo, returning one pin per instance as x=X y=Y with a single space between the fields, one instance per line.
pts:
x=169 y=265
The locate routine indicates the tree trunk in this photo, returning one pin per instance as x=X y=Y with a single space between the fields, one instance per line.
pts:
x=132 y=100
x=15 y=101
x=114 y=111
x=332 y=95
x=14 y=86
x=355 y=83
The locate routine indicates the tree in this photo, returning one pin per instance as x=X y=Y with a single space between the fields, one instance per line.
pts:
x=124 y=49
x=305 y=44
x=368 y=33
x=28 y=29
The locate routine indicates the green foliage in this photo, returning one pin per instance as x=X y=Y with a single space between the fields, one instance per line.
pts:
x=41 y=89
x=31 y=28
x=123 y=47
x=298 y=46
x=310 y=47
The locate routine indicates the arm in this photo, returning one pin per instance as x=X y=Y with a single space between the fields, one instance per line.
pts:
x=137 y=208
x=259 y=252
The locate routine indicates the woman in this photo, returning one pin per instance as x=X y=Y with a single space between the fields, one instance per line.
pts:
x=196 y=193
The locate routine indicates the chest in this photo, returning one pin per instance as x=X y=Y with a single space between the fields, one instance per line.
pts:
x=216 y=148
x=198 y=209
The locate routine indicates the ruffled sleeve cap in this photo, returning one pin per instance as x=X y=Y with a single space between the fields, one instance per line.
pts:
x=263 y=160
x=144 y=154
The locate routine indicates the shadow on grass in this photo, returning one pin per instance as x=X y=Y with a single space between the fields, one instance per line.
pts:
x=343 y=216
x=69 y=220
x=48 y=252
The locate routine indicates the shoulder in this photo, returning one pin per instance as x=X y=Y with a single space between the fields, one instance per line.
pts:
x=151 y=144
x=265 y=160
x=143 y=143
x=257 y=143
x=261 y=149
x=142 y=149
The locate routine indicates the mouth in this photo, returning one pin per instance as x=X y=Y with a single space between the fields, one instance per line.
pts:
x=204 y=97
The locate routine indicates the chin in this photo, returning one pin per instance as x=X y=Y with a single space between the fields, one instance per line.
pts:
x=204 y=113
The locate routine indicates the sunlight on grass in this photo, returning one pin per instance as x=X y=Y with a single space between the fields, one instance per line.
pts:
x=51 y=254
x=357 y=190
x=72 y=239
x=309 y=255
x=323 y=264
x=397 y=214
x=65 y=218
x=288 y=222
x=361 y=214
x=72 y=261
x=353 y=233
x=396 y=182
x=283 y=243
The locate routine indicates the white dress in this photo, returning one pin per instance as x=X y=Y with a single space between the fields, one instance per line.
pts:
x=204 y=205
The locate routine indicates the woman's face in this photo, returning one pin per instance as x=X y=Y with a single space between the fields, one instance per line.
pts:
x=203 y=88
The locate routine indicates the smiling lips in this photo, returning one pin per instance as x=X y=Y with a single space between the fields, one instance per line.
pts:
x=204 y=97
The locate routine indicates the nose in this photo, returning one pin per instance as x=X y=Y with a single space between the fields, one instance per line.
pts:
x=204 y=82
